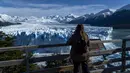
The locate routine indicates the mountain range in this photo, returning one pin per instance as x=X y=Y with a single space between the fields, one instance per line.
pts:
x=108 y=18
x=118 y=19
x=54 y=18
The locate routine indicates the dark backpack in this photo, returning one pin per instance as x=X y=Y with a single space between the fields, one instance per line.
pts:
x=80 y=47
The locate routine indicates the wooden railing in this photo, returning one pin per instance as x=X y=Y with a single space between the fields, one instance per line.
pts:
x=28 y=60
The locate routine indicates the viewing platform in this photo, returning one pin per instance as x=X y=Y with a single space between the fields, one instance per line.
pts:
x=95 y=67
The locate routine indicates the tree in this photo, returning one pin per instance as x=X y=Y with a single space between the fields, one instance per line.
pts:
x=6 y=41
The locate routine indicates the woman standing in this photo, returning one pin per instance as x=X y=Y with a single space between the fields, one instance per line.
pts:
x=79 y=51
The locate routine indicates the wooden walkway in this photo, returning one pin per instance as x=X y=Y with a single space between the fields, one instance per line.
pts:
x=94 y=44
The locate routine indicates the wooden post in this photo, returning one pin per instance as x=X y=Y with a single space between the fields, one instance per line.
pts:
x=123 y=55
x=80 y=68
x=27 y=61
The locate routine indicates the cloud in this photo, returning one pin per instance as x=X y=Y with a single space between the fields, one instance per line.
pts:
x=45 y=5
x=12 y=1
x=51 y=9
x=23 y=3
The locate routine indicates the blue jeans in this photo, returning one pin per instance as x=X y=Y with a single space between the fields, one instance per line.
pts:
x=77 y=67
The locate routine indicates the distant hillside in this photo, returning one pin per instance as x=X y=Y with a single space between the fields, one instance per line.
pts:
x=118 y=19
x=7 y=23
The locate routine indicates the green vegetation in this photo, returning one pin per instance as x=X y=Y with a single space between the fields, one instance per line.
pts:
x=6 y=41
x=56 y=63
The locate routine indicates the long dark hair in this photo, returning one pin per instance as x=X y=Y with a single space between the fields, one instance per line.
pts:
x=80 y=32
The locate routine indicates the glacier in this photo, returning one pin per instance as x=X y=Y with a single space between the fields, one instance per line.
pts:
x=39 y=34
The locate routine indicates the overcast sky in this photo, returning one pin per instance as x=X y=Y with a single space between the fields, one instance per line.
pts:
x=57 y=7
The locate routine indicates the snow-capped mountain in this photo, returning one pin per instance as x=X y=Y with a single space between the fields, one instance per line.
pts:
x=62 y=19
x=107 y=18
x=33 y=19
x=70 y=17
x=18 y=19
x=104 y=12
x=86 y=16
x=81 y=19
x=126 y=7
x=101 y=14
x=13 y=19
